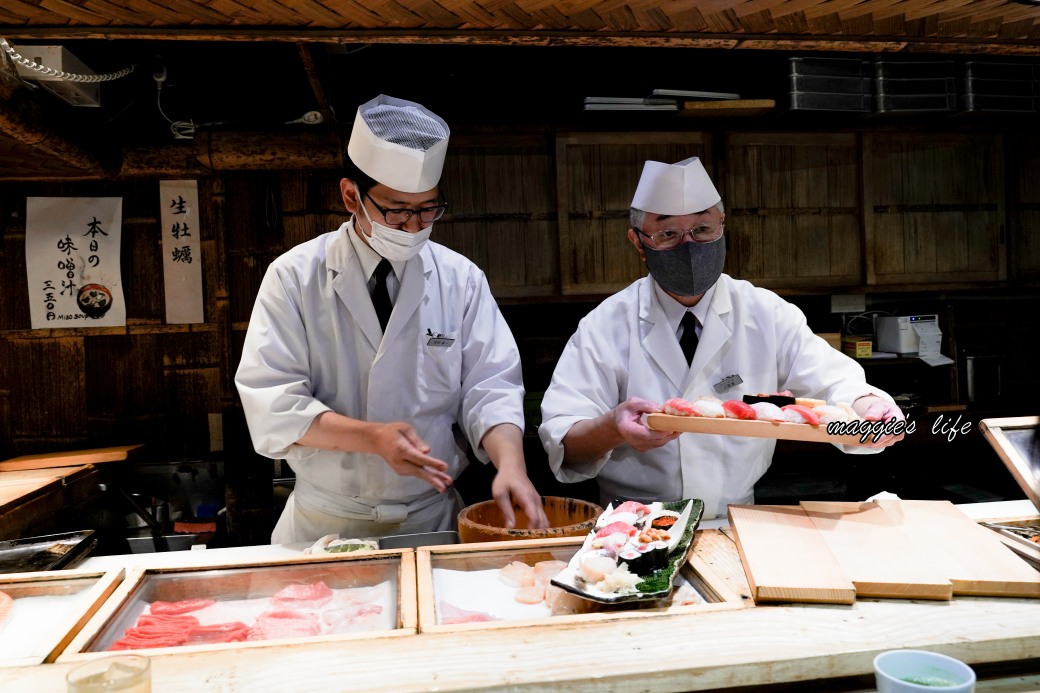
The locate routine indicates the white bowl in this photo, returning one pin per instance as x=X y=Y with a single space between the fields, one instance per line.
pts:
x=917 y=671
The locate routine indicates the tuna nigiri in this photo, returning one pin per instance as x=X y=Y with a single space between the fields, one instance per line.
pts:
x=735 y=409
x=630 y=506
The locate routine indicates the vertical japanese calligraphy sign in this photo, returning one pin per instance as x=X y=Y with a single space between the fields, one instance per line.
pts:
x=182 y=254
x=72 y=250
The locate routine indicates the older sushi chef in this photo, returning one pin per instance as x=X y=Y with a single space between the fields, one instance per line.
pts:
x=684 y=331
x=367 y=344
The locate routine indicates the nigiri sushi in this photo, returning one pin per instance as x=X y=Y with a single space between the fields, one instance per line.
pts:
x=631 y=506
x=766 y=411
x=677 y=406
x=709 y=407
x=617 y=527
x=796 y=413
x=735 y=409
x=829 y=413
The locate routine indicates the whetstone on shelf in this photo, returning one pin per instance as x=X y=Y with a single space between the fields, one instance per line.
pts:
x=726 y=109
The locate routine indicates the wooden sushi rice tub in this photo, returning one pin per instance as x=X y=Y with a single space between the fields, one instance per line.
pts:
x=727 y=641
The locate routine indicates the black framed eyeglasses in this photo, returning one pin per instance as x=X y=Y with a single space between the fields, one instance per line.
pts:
x=400 y=217
x=666 y=239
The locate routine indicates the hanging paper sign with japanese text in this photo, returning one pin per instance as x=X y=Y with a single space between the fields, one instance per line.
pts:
x=72 y=247
x=182 y=255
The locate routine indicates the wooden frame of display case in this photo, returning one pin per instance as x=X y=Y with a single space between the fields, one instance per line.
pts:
x=696 y=569
x=62 y=633
x=406 y=604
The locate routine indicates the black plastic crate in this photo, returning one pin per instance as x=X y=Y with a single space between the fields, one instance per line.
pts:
x=915 y=103
x=985 y=70
x=830 y=85
x=998 y=103
x=916 y=87
x=820 y=101
x=917 y=69
x=832 y=67
x=1002 y=87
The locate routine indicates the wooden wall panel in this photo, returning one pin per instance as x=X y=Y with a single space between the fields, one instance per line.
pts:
x=597 y=174
x=47 y=392
x=1025 y=218
x=934 y=207
x=502 y=197
x=792 y=209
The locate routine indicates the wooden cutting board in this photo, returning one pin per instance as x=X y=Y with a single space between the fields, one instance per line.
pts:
x=876 y=553
x=885 y=549
x=750 y=429
x=785 y=558
x=72 y=458
x=973 y=557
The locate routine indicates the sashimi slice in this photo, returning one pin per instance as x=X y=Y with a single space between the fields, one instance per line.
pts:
x=677 y=406
x=631 y=506
x=735 y=409
x=515 y=574
x=617 y=527
x=182 y=607
x=548 y=569
x=530 y=595
x=797 y=413
x=312 y=596
x=235 y=631
x=449 y=613
x=352 y=619
x=284 y=623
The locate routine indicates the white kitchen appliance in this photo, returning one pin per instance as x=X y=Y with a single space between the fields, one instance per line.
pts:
x=899 y=334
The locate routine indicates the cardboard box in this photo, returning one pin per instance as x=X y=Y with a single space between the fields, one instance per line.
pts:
x=857 y=347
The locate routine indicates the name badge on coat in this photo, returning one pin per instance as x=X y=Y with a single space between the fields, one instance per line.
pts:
x=438 y=340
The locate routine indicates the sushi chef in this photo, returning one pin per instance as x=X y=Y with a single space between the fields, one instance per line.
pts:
x=368 y=344
x=686 y=330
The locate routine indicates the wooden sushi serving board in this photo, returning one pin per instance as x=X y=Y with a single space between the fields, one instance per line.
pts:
x=751 y=429
x=837 y=552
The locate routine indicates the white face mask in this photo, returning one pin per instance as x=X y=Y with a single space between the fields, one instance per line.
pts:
x=394 y=244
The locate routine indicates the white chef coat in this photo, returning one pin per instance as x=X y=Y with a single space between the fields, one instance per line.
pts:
x=627 y=347
x=314 y=345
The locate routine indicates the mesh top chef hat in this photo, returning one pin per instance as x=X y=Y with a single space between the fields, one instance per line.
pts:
x=399 y=143
x=675 y=189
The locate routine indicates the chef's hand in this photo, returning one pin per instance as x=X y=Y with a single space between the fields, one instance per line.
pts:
x=874 y=408
x=628 y=419
x=504 y=444
x=406 y=453
x=512 y=488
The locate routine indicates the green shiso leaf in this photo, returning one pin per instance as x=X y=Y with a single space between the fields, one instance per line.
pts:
x=661 y=579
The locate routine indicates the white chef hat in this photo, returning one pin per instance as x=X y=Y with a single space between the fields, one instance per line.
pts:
x=675 y=189
x=399 y=143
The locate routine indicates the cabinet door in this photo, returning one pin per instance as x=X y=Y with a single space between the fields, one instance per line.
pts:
x=503 y=211
x=597 y=174
x=933 y=208
x=792 y=209
x=1025 y=209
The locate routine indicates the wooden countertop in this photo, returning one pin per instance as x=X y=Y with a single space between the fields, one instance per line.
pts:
x=763 y=646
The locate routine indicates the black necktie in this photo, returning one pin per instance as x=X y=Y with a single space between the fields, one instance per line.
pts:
x=688 y=340
x=381 y=295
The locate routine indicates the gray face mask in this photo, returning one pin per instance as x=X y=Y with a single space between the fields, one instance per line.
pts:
x=689 y=269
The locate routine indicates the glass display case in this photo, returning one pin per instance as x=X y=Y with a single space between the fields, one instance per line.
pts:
x=493 y=585
x=343 y=597
x=41 y=612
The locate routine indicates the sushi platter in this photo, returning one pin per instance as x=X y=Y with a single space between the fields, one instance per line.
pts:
x=751 y=429
x=633 y=553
